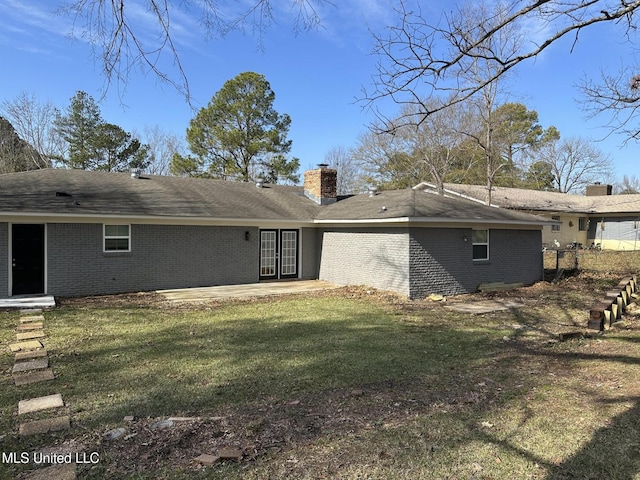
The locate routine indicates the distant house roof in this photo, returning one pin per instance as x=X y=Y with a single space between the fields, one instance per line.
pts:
x=541 y=201
x=83 y=193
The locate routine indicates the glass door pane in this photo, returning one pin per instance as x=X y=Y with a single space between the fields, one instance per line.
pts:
x=268 y=249
x=289 y=253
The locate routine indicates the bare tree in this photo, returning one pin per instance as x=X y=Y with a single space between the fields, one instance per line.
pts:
x=350 y=176
x=630 y=185
x=432 y=142
x=162 y=146
x=616 y=96
x=33 y=121
x=122 y=44
x=575 y=163
x=422 y=56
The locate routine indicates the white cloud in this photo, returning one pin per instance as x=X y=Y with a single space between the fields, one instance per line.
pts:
x=34 y=16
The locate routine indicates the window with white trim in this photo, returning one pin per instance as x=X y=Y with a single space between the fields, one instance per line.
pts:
x=555 y=228
x=117 y=238
x=480 y=241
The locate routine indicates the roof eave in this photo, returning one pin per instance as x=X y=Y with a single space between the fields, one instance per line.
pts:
x=147 y=219
x=434 y=220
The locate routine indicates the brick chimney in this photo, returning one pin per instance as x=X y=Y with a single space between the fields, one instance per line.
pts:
x=321 y=184
x=598 y=189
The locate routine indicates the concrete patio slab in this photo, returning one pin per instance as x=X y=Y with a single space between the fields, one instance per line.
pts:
x=27 y=302
x=21 y=346
x=40 y=403
x=30 y=354
x=37 y=364
x=29 y=335
x=55 y=472
x=205 y=294
x=36 y=376
x=484 y=306
x=45 y=426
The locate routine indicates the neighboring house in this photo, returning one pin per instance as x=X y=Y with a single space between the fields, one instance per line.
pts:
x=73 y=232
x=596 y=218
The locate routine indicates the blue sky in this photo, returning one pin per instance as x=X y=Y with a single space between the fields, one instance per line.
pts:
x=317 y=75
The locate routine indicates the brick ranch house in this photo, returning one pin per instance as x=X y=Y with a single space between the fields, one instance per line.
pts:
x=73 y=232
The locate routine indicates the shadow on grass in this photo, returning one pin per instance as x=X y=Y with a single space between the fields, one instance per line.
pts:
x=431 y=376
x=612 y=453
x=203 y=367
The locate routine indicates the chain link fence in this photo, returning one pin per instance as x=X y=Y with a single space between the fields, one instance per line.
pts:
x=586 y=259
x=562 y=260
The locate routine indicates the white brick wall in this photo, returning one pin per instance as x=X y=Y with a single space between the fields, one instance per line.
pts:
x=378 y=258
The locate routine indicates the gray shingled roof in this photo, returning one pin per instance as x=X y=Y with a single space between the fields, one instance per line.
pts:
x=78 y=192
x=535 y=200
x=421 y=206
x=102 y=193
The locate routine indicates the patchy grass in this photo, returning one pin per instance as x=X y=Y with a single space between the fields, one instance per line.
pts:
x=342 y=384
x=606 y=261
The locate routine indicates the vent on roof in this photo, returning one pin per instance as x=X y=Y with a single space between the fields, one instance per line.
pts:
x=260 y=183
x=373 y=191
x=135 y=173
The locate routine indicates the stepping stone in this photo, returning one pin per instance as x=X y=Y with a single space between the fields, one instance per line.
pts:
x=230 y=454
x=55 y=472
x=29 y=335
x=207 y=460
x=37 y=364
x=40 y=403
x=32 y=318
x=28 y=355
x=33 y=377
x=25 y=327
x=45 y=426
x=27 y=311
x=22 y=346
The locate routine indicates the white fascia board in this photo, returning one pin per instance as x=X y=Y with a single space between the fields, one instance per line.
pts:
x=432 y=221
x=21 y=217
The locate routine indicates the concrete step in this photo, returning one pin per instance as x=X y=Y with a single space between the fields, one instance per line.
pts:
x=36 y=364
x=25 y=346
x=28 y=355
x=35 y=376
x=40 y=403
x=54 y=472
x=29 y=336
x=26 y=327
x=45 y=426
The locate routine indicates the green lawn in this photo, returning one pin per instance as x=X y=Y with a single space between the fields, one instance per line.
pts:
x=343 y=384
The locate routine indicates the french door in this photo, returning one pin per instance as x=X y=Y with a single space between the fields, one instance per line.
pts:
x=278 y=254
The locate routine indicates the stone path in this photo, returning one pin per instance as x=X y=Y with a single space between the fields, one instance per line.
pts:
x=31 y=365
x=55 y=472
